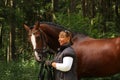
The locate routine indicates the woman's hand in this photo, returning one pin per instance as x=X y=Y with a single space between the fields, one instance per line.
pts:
x=54 y=64
x=48 y=63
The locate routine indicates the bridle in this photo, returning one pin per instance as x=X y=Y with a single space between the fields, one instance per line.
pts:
x=42 y=53
x=44 y=43
x=45 y=47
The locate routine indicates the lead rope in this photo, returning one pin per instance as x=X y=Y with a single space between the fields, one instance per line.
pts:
x=50 y=71
x=41 y=73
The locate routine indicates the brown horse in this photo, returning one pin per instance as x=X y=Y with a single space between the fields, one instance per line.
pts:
x=96 y=57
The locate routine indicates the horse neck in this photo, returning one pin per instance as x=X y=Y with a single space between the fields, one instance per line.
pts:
x=53 y=42
x=52 y=35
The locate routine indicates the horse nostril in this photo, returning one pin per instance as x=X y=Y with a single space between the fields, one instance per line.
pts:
x=40 y=58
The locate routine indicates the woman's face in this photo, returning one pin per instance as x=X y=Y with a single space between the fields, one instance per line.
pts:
x=63 y=39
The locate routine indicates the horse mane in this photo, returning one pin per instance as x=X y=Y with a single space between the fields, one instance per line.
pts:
x=74 y=34
x=53 y=24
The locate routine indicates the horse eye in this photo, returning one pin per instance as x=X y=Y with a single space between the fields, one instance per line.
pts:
x=37 y=35
x=34 y=33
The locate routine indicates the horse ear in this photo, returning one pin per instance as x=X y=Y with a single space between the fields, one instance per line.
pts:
x=26 y=27
x=37 y=24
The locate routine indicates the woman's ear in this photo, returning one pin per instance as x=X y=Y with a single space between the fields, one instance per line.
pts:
x=69 y=39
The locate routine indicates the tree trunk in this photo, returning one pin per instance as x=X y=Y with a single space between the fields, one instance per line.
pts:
x=117 y=19
x=93 y=9
x=12 y=42
x=116 y=8
x=11 y=19
x=56 y=5
x=83 y=8
x=72 y=6
x=1 y=28
x=52 y=10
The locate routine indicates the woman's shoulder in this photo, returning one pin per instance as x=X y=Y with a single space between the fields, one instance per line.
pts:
x=68 y=52
x=69 y=49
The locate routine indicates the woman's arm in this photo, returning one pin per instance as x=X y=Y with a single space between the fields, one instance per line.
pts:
x=65 y=66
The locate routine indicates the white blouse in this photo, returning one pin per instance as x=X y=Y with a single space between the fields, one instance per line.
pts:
x=66 y=65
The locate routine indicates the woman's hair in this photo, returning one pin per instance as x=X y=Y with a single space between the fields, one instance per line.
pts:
x=68 y=33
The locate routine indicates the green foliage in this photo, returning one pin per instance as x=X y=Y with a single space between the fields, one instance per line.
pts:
x=27 y=70
x=74 y=22
x=101 y=29
x=94 y=27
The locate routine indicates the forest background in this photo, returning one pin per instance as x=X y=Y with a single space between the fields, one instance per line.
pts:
x=96 y=18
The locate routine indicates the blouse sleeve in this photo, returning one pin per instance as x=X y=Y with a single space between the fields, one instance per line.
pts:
x=66 y=65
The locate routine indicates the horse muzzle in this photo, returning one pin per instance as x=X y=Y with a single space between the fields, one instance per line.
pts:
x=37 y=57
x=40 y=55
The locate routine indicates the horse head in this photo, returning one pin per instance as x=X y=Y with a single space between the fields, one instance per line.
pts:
x=39 y=41
x=44 y=38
